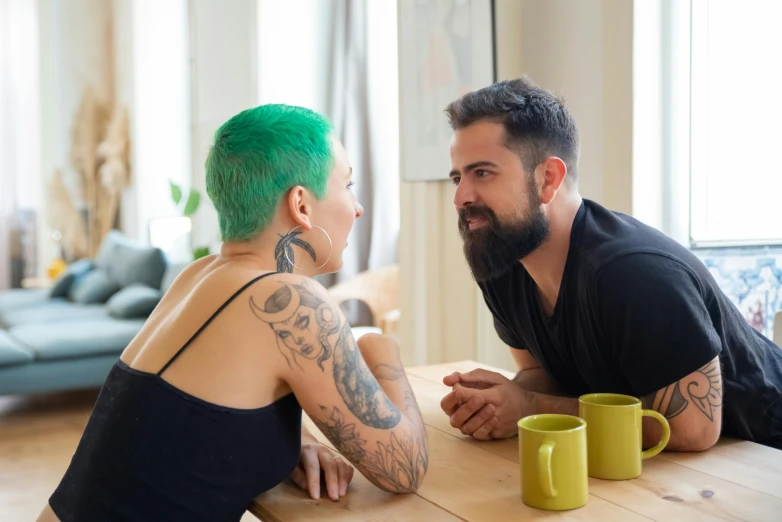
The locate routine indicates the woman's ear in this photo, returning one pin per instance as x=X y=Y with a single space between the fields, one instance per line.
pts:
x=299 y=207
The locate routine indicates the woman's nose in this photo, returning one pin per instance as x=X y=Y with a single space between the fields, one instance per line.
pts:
x=359 y=210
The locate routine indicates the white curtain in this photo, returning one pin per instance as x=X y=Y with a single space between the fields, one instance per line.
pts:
x=363 y=104
x=19 y=126
x=8 y=117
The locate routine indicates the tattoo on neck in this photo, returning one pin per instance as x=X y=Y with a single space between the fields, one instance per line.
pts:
x=703 y=389
x=283 y=252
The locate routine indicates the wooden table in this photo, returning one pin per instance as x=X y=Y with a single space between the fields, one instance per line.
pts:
x=479 y=481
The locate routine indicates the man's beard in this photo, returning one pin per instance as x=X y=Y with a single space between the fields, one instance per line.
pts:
x=494 y=248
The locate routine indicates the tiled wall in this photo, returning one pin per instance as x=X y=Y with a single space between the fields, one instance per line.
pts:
x=752 y=278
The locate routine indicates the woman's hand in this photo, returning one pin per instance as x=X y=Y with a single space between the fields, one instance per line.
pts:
x=314 y=458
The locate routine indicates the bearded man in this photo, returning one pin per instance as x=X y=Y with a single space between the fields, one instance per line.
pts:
x=587 y=299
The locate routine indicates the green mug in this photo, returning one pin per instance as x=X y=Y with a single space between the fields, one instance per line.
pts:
x=614 y=441
x=553 y=462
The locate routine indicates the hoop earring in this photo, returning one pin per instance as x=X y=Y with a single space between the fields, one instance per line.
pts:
x=331 y=249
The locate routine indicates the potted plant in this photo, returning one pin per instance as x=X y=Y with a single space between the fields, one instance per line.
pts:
x=188 y=206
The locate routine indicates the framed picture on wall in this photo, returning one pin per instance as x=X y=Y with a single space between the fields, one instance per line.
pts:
x=446 y=49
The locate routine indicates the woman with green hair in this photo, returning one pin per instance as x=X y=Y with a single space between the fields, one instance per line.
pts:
x=203 y=410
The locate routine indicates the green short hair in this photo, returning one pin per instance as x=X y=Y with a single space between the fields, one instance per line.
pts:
x=260 y=154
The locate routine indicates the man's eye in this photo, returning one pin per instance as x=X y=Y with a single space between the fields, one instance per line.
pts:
x=481 y=173
x=456 y=180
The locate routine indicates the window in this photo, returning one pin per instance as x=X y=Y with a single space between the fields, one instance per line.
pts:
x=293 y=52
x=736 y=122
x=161 y=106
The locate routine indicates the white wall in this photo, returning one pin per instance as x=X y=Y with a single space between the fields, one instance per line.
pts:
x=582 y=50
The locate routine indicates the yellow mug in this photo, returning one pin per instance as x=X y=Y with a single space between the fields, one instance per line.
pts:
x=553 y=462
x=614 y=441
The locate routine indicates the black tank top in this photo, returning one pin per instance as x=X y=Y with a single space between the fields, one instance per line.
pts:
x=153 y=452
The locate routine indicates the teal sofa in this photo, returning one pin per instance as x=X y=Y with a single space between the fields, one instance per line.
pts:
x=69 y=336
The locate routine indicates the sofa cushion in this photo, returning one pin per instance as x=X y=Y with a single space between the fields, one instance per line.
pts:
x=95 y=287
x=10 y=351
x=73 y=339
x=52 y=311
x=16 y=298
x=72 y=272
x=133 y=301
x=17 y=301
x=127 y=262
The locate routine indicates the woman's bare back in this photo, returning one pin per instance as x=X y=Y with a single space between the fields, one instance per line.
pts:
x=231 y=362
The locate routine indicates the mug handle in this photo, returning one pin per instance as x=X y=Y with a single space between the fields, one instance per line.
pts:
x=657 y=448
x=544 y=469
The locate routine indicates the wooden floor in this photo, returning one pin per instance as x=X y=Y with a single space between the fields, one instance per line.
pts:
x=38 y=435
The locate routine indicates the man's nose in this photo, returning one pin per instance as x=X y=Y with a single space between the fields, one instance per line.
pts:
x=465 y=195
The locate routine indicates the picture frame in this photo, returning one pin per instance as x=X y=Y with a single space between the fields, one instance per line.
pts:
x=446 y=49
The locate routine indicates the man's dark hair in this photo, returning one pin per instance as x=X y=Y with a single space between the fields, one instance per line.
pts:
x=537 y=123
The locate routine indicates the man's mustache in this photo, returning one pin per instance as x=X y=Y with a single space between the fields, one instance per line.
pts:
x=473 y=212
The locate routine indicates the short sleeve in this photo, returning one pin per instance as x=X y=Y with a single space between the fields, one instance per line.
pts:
x=655 y=320
x=506 y=335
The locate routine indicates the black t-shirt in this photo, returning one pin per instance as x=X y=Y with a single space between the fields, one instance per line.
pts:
x=637 y=312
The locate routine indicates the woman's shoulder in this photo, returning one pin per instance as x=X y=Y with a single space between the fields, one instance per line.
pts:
x=212 y=278
x=286 y=289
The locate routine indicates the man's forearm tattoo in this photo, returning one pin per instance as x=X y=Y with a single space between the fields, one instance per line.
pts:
x=398 y=466
x=284 y=254
x=308 y=327
x=703 y=389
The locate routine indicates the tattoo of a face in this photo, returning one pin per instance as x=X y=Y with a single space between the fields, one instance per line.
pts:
x=284 y=254
x=398 y=466
x=703 y=389
x=308 y=327
x=301 y=321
